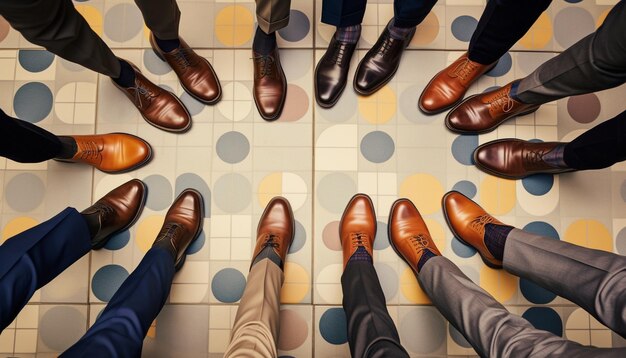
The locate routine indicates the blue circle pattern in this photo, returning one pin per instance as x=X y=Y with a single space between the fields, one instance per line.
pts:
x=35 y=60
x=299 y=238
x=118 y=241
x=461 y=249
x=535 y=293
x=466 y=188
x=463 y=148
x=228 y=285
x=334 y=326
x=298 y=27
x=543 y=229
x=32 y=102
x=381 y=240
x=107 y=281
x=463 y=27
x=502 y=67
x=197 y=245
x=545 y=318
x=538 y=184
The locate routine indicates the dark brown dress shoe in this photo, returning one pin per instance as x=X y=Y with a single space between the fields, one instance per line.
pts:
x=380 y=63
x=448 y=86
x=111 y=153
x=484 y=112
x=157 y=106
x=182 y=225
x=408 y=233
x=467 y=221
x=117 y=211
x=195 y=73
x=357 y=227
x=516 y=159
x=270 y=85
x=276 y=229
x=331 y=73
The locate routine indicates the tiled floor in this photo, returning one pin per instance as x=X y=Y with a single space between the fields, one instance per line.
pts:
x=381 y=145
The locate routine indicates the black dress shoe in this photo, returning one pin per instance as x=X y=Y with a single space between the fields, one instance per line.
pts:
x=380 y=63
x=332 y=72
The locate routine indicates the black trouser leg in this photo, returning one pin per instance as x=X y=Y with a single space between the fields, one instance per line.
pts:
x=24 y=142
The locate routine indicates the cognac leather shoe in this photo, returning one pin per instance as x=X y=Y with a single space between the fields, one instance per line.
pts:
x=270 y=85
x=380 y=63
x=484 y=112
x=276 y=229
x=448 y=86
x=195 y=73
x=408 y=233
x=357 y=227
x=157 y=106
x=182 y=225
x=111 y=153
x=331 y=73
x=467 y=221
x=516 y=159
x=117 y=211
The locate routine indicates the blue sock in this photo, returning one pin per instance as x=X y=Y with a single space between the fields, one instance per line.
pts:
x=167 y=45
x=360 y=255
x=495 y=238
x=127 y=75
x=264 y=43
x=425 y=257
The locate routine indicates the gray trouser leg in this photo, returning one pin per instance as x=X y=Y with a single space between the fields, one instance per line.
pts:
x=595 y=63
x=272 y=15
x=487 y=325
x=595 y=280
x=161 y=16
x=60 y=29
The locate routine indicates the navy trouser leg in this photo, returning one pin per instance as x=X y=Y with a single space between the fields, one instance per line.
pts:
x=501 y=25
x=410 y=13
x=24 y=142
x=342 y=13
x=122 y=326
x=31 y=259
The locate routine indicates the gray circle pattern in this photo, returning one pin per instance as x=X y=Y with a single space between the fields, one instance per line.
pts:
x=620 y=242
x=420 y=340
x=377 y=147
x=572 y=24
x=25 y=192
x=232 y=193
x=388 y=280
x=33 y=102
x=122 y=22
x=334 y=191
x=232 y=147
x=154 y=64
x=61 y=327
x=159 y=192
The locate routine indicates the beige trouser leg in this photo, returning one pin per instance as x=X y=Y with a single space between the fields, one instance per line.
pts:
x=272 y=15
x=255 y=332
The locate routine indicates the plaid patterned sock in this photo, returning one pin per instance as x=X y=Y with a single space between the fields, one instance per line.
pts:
x=348 y=34
x=360 y=255
x=555 y=157
x=398 y=33
x=495 y=238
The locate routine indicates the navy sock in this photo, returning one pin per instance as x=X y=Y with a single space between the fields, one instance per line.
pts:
x=68 y=147
x=556 y=156
x=264 y=43
x=360 y=255
x=425 y=257
x=398 y=33
x=167 y=45
x=513 y=93
x=268 y=253
x=127 y=75
x=495 y=238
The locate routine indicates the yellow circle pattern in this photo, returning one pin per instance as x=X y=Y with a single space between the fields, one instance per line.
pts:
x=380 y=107
x=499 y=283
x=234 y=25
x=296 y=284
x=270 y=186
x=16 y=226
x=424 y=190
x=147 y=230
x=411 y=289
x=589 y=233
x=93 y=17
x=539 y=35
x=497 y=196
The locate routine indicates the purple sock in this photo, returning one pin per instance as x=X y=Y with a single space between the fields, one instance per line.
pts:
x=555 y=157
x=348 y=34
x=398 y=33
x=360 y=255
x=425 y=257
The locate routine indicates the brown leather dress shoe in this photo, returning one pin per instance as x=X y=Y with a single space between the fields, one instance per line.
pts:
x=195 y=73
x=112 y=153
x=117 y=211
x=276 y=229
x=484 y=112
x=182 y=225
x=515 y=158
x=357 y=227
x=467 y=221
x=408 y=233
x=270 y=85
x=380 y=63
x=157 y=106
x=449 y=86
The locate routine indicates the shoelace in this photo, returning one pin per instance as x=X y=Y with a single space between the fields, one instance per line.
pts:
x=503 y=101
x=269 y=241
x=183 y=58
x=143 y=92
x=464 y=69
x=419 y=241
x=357 y=239
x=535 y=156
x=266 y=67
x=90 y=151
x=338 y=54
x=479 y=223
x=170 y=231
x=385 y=46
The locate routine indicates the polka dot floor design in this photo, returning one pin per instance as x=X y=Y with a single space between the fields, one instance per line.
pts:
x=381 y=145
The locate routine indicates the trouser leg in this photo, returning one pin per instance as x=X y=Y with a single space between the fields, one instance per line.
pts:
x=24 y=142
x=60 y=29
x=31 y=259
x=487 y=325
x=272 y=15
x=161 y=16
x=371 y=331
x=501 y=25
x=342 y=13
x=256 y=328
x=410 y=13
x=124 y=323
x=597 y=62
